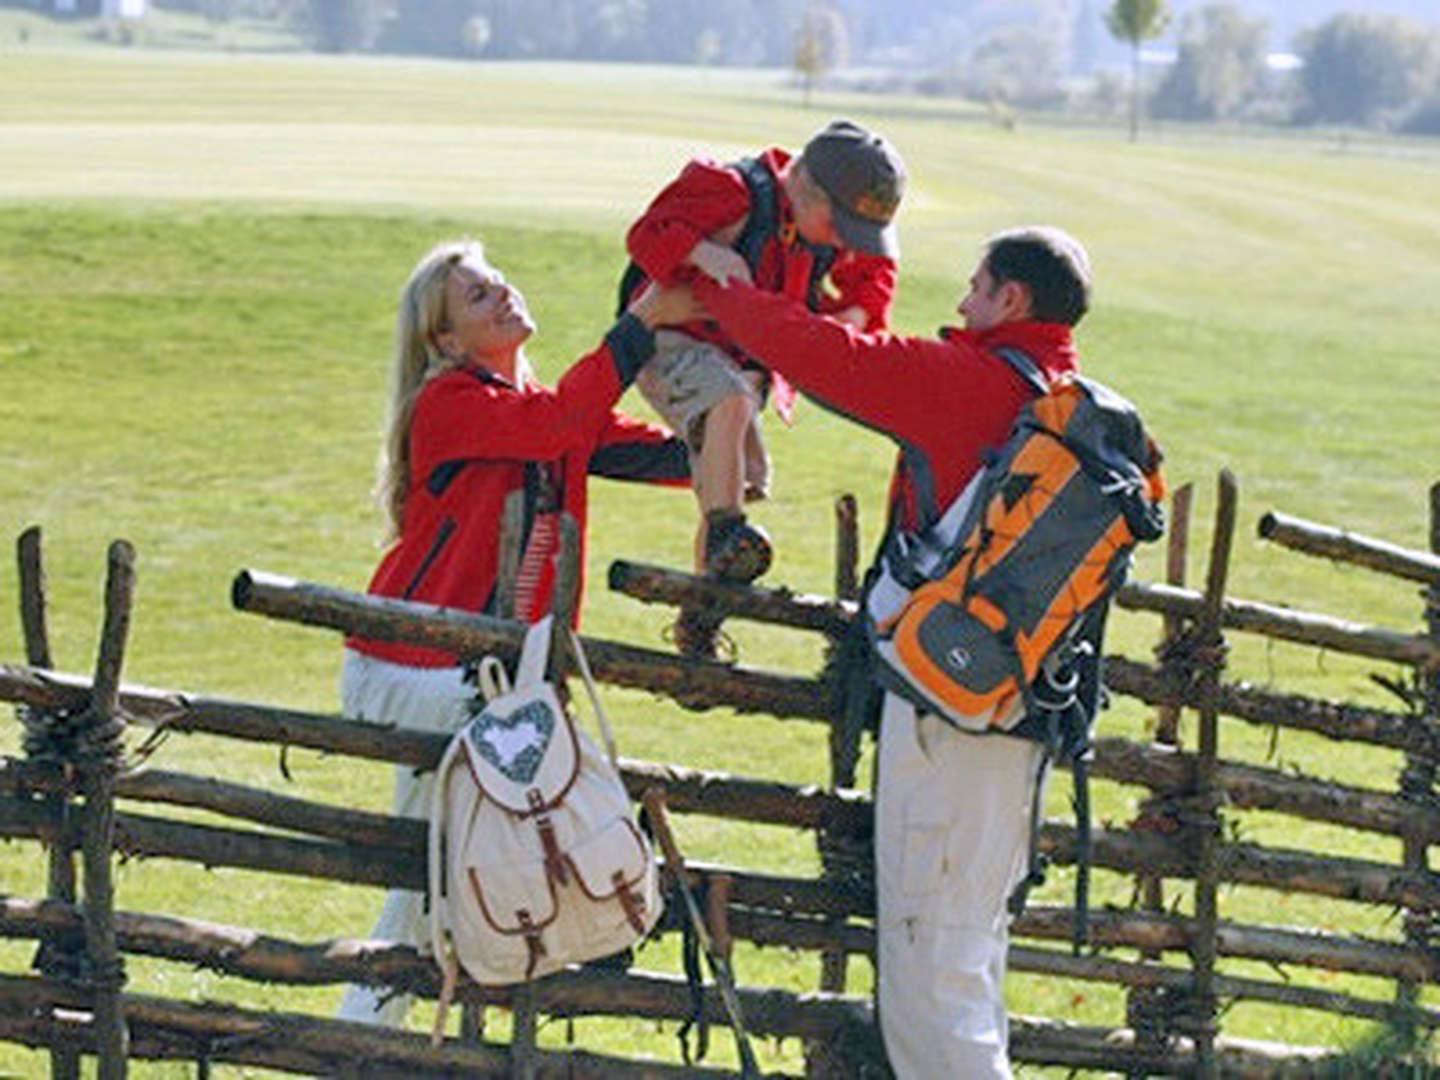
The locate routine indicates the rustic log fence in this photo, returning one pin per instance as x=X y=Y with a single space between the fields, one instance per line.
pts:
x=64 y=791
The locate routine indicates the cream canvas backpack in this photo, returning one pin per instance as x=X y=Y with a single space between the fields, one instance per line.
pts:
x=535 y=858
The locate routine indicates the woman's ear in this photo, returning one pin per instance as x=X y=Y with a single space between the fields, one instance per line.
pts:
x=445 y=343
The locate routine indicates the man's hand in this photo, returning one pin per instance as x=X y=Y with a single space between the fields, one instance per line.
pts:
x=719 y=262
x=672 y=306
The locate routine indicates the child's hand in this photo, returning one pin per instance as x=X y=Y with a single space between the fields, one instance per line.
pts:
x=666 y=307
x=719 y=262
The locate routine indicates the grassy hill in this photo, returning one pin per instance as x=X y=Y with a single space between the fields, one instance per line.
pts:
x=199 y=255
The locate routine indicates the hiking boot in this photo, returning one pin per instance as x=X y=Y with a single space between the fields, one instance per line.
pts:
x=735 y=550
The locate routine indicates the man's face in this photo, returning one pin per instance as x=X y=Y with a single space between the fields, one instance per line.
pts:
x=988 y=304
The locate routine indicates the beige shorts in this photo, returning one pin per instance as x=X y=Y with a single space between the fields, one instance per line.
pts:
x=685 y=379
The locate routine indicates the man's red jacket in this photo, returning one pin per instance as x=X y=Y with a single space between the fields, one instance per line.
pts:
x=474 y=439
x=950 y=398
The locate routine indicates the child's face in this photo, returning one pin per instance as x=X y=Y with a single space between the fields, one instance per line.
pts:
x=814 y=218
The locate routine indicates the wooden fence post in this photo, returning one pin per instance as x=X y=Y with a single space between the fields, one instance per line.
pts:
x=839 y=854
x=1205 y=817
x=1146 y=1007
x=61 y=954
x=1417 y=779
x=98 y=751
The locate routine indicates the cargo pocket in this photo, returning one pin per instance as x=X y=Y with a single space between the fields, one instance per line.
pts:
x=923 y=838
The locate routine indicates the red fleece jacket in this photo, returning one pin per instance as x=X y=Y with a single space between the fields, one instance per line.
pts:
x=950 y=398
x=474 y=439
x=709 y=198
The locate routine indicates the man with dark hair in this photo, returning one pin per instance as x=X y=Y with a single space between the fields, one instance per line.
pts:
x=953 y=808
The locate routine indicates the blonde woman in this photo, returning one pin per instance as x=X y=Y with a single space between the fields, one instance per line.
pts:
x=468 y=425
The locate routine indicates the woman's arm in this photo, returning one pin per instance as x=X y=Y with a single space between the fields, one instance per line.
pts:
x=631 y=449
x=465 y=415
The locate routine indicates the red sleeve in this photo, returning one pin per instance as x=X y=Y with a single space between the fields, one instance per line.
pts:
x=900 y=386
x=460 y=417
x=703 y=199
x=864 y=281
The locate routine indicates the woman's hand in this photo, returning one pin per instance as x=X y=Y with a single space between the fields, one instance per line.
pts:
x=670 y=306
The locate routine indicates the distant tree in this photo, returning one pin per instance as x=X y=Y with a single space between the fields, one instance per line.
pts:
x=1136 y=21
x=821 y=45
x=1358 y=66
x=1220 y=65
x=1015 y=64
x=340 y=26
x=1424 y=119
x=429 y=27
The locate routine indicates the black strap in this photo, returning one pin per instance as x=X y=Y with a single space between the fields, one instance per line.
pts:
x=1024 y=366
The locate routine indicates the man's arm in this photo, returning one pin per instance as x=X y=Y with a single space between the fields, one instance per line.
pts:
x=884 y=381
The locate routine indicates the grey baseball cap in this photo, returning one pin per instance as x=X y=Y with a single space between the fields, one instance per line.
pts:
x=865 y=177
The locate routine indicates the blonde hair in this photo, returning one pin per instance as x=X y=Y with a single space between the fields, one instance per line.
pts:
x=418 y=359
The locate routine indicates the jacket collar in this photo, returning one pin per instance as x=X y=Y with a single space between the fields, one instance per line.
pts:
x=1051 y=345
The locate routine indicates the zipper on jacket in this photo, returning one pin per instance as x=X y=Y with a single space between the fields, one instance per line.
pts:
x=447 y=529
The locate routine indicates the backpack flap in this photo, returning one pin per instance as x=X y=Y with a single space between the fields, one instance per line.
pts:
x=617 y=863
x=519 y=744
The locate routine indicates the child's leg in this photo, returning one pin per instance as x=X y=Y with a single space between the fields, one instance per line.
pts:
x=720 y=469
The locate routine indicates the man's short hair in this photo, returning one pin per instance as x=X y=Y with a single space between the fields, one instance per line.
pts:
x=1050 y=263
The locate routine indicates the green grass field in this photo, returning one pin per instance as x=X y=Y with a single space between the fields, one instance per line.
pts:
x=199 y=255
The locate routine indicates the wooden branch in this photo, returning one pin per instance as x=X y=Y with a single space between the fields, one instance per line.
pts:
x=1054 y=1042
x=61 y=876
x=1151 y=976
x=98 y=774
x=223 y=1029
x=847 y=548
x=780 y=606
x=1344 y=723
x=1206 y=792
x=1325 y=542
x=1250 y=787
x=31 y=565
x=1273 y=945
x=168 y=1029
x=1126 y=852
x=1284 y=624
x=696 y=684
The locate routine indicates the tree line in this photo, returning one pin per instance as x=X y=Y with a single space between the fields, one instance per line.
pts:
x=1355 y=67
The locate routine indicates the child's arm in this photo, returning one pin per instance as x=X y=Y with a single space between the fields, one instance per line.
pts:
x=703 y=200
x=865 y=291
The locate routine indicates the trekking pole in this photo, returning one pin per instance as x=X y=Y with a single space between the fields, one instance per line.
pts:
x=654 y=800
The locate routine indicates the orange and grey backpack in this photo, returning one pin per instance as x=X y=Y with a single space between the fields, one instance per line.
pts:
x=991 y=616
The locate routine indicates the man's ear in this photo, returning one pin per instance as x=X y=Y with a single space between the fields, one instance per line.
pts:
x=1015 y=300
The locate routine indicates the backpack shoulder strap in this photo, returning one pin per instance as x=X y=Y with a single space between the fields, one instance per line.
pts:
x=763 y=219
x=1021 y=363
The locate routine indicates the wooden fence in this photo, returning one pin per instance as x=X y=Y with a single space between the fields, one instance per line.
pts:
x=1173 y=967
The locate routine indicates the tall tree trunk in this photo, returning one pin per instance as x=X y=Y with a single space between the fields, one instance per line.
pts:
x=1134 y=89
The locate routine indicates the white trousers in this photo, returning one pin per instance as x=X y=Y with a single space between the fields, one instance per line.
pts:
x=952 y=834
x=419 y=699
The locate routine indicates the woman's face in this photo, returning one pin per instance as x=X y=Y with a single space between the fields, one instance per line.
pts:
x=486 y=317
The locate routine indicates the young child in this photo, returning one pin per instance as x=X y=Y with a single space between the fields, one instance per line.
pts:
x=819 y=228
